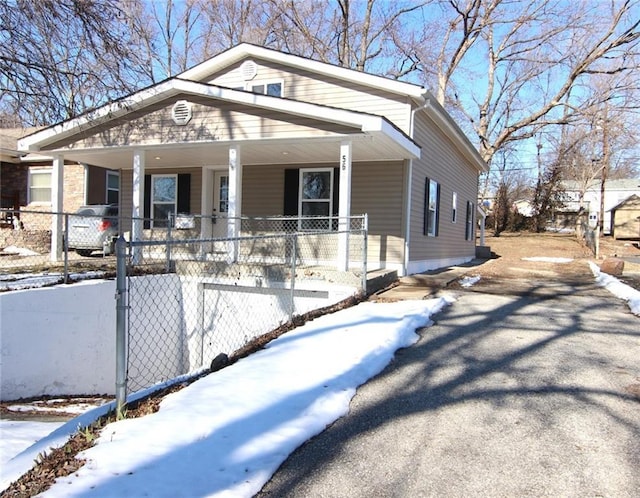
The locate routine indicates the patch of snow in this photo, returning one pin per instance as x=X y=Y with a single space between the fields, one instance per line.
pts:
x=227 y=433
x=16 y=436
x=20 y=251
x=545 y=259
x=617 y=288
x=469 y=281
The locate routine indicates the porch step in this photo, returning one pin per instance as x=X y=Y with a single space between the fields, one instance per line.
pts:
x=380 y=279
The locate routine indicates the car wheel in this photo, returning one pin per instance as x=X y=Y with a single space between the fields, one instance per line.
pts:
x=85 y=253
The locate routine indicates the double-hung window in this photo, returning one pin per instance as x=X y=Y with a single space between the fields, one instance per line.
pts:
x=469 y=226
x=431 y=207
x=454 y=207
x=113 y=187
x=40 y=185
x=316 y=198
x=164 y=190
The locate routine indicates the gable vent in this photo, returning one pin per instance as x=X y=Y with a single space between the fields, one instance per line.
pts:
x=181 y=112
x=249 y=69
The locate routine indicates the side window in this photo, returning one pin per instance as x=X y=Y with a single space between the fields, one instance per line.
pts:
x=113 y=187
x=431 y=207
x=40 y=185
x=469 y=222
x=454 y=207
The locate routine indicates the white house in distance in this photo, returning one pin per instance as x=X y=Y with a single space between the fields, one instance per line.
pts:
x=616 y=192
x=249 y=130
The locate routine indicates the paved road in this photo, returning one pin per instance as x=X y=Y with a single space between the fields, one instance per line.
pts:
x=534 y=394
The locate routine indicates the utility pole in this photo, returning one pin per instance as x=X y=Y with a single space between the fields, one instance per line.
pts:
x=605 y=166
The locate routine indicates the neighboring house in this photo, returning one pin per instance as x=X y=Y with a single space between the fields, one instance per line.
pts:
x=257 y=132
x=26 y=182
x=626 y=219
x=616 y=191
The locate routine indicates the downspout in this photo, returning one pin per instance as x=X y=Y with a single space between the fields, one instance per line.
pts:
x=407 y=229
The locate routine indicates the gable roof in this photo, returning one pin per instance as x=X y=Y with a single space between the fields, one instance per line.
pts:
x=367 y=123
x=244 y=50
x=632 y=199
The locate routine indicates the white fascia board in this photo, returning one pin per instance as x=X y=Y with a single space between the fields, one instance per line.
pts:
x=446 y=123
x=383 y=126
x=107 y=112
x=243 y=50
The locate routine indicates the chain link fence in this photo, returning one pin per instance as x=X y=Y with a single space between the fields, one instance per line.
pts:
x=183 y=302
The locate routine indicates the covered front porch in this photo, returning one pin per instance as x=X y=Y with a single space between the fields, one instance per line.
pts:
x=241 y=155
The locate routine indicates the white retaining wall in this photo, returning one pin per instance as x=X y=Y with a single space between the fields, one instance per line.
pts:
x=61 y=340
x=58 y=340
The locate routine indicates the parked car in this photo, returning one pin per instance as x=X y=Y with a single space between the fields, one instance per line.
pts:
x=94 y=228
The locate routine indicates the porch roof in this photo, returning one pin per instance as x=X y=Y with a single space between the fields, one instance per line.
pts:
x=373 y=137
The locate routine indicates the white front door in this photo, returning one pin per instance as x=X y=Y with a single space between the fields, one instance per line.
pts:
x=220 y=203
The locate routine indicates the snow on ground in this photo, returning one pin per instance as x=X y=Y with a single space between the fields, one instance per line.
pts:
x=545 y=259
x=19 y=251
x=469 y=281
x=617 y=288
x=227 y=433
x=22 y=281
x=16 y=436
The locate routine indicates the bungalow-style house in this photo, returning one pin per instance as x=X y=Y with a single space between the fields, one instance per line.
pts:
x=25 y=183
x=625 y=219
x=615 y=192
x=256 y=132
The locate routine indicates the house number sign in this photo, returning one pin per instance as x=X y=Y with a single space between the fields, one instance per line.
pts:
x=344 y=162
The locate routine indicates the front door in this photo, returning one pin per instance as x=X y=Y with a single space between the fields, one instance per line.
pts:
x=220 y=203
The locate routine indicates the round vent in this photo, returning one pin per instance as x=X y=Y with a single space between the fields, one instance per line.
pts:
x=249 y=69
x=181 y=112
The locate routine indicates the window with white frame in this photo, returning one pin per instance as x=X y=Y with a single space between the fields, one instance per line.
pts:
x=316 y=198
x=272 y=88
x=469 y=226
x=164 y=194
x=113 y=187
x=40 y=185
x=454 y=207
x=431 y=207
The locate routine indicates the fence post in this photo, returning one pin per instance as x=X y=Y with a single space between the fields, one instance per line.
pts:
x=294 y=256
x=66 y=248
x=168 y=249
x=365 y=230
x=121 y=326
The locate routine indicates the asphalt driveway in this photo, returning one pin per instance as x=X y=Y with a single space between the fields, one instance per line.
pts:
x=532 y=393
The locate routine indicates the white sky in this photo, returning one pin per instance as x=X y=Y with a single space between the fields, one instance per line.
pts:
x=226 y=434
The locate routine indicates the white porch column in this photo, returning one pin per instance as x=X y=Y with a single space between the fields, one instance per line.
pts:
x=57 y=194
x=235 y=199
x=344 y=210
x=137 y=212
x=206 y=203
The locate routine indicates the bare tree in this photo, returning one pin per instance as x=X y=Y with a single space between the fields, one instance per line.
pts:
x=62 y=57
x=528 y=61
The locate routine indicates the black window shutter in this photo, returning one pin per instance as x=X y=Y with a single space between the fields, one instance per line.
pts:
x=336 y=191
x=291 y=185
x=184 y=193
x=437 y=221
x=147 y=201
x=425 y=227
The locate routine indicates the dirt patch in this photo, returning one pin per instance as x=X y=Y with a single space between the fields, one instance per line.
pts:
x=520 y=259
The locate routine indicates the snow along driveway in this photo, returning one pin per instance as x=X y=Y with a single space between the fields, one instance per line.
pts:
x=226 y=434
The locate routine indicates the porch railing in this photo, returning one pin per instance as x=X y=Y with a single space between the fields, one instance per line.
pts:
x=28 y=244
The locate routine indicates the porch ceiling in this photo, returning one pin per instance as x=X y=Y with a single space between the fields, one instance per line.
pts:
x=366 y=147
